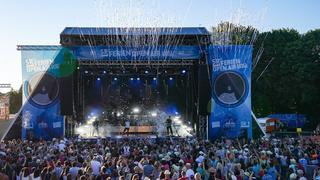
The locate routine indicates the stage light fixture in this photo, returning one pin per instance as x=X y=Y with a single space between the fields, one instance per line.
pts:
x=131 y=79
x=136 y=110
x=183 y=71
x=153 y=114
x=146 y=72
x=170 y=78
x=118 y=114
x=104 y=72
x=115 y=79
x=154 y=79
x=98 y=79
x=138 y=79
x=178 y=121
x=86 y=72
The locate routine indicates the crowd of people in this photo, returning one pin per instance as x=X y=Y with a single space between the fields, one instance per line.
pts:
x=160 y=158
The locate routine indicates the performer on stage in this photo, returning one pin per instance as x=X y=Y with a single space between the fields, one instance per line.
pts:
x=169 y=126
x=126 y=127
x=96 y=127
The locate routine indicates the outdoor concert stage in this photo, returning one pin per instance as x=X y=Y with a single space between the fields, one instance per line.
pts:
x=99 y=78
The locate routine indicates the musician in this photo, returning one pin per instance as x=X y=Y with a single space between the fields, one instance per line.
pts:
x=96 y=127
x=126 y=127
x=169 y=126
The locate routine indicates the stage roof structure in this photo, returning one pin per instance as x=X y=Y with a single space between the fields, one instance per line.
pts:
x=73 y=36
x=196 y=31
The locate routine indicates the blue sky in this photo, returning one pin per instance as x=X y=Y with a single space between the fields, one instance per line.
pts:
x=41 y=21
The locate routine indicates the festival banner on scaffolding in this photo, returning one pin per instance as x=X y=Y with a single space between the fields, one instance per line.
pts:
x=231 y=91
x=126 y=53
x=41 y=70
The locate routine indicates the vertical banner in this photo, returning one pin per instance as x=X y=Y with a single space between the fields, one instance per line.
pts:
x=231 y=91
x=41 y=70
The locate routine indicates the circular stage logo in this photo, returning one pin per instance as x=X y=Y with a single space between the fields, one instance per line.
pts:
x=42 y=89
x=230 y=89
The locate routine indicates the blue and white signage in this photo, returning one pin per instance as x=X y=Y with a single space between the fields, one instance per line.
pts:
x=231 y=80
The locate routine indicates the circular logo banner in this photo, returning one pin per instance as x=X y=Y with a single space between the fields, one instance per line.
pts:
x=42 y=89
x=230 y=89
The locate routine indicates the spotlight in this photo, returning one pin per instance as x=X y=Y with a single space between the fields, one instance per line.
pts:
x=86 y=72
x=135 y=110
x=183 y=71
x=154 y=79
x=131 y=79
x=138 y=79
x=103 y=112
x=178 y=121
x=98 y=79
x=146 y=72
x=118 y=114
x=78 y=67
x=104 y=72
x=153 y=114
x=115 y=79
x=171 y=78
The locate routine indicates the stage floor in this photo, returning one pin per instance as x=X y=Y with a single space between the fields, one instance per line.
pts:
x=88 y=131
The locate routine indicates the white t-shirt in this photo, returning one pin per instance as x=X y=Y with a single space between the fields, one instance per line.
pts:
x=127 y=124
x=33 y=178
x=95 y=165
x=24 y=178
x=61 y=146
x=126 y=150
x=189 y=173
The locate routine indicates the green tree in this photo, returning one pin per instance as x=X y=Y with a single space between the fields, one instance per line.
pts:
x=15 y=100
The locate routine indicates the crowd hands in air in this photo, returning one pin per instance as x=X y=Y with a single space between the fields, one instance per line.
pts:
x=163 y=159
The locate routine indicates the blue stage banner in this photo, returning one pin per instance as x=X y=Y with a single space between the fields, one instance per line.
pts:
x=231 y=91
x=41 y=70
x=291 y=120
x=136 y=53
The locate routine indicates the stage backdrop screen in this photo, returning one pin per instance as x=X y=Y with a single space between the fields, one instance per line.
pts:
x=231 y=91
x=41 y=70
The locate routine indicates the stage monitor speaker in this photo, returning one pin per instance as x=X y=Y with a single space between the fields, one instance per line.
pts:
x=204 y=89
x=66 y=95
